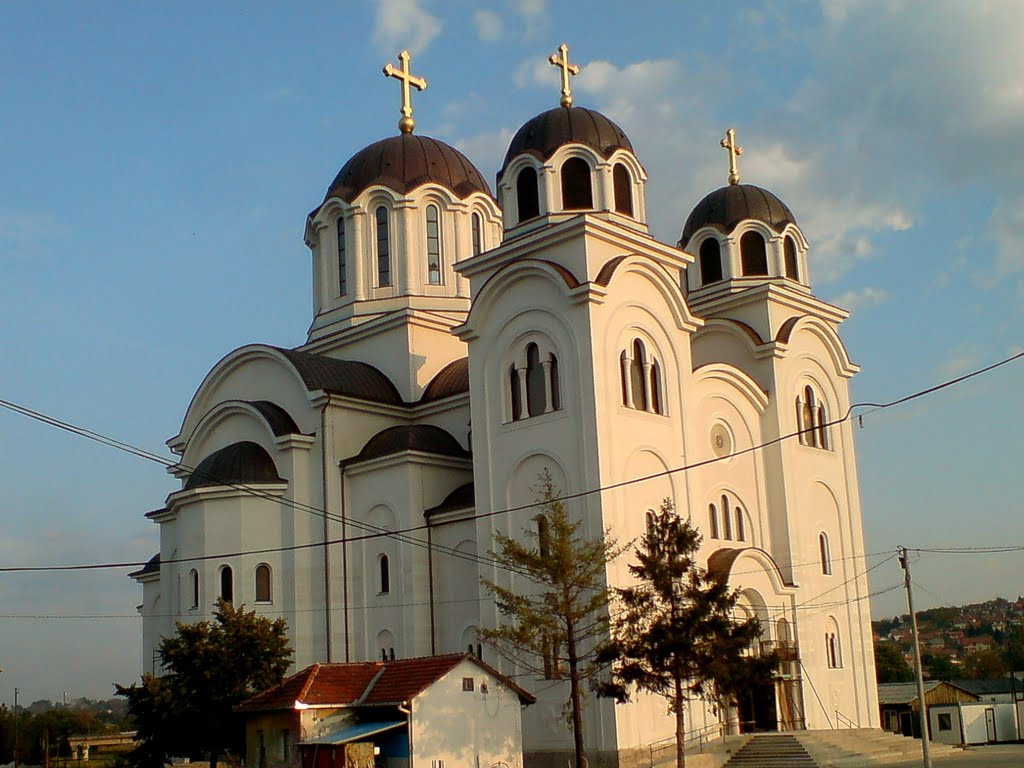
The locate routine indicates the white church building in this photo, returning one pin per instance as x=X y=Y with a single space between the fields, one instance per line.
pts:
x=462 y=343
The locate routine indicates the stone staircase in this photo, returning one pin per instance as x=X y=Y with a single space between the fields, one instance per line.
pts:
x=850 y=747
x=776 y=750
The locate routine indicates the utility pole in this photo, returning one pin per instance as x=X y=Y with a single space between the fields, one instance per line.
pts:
x=16 y=728
x=922 y=706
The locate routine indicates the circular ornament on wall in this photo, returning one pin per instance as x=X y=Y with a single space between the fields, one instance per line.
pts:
x=721 y=440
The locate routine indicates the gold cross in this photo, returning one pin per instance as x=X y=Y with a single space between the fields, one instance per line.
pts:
x=562 y=62
x=406 y=124
x=729 y=143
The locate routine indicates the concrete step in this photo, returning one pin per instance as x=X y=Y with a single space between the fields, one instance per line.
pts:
x=772 y=751
x=863 y=746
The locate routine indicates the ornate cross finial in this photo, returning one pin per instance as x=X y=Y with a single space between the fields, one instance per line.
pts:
x=729 y=143
x=406 y=124
x=562 y=62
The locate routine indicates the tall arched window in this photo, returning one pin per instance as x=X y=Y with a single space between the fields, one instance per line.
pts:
x=383 y=248
x=556 y=390
x=527 y=194
x=753 y=256
x=623 y=184
x=576 y=190
x=385 y=575
x=478 y=234
x=741 y=528
x=833 y=648
x=792 y=269
x=433 y=245
x=636 y=375
x=227 y=584
x=826 y=555
x=710 y=261
x=535 y=394
x=656 y=405
x=812 y=420
x=193 y=583
x=713 y=519
x=263 y=584
x=342 y=265
x=516 y=390
x=726 y=517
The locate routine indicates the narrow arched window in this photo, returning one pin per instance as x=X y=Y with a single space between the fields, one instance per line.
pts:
x=535 y=394
x=391 y=654
x=342 y=265
x=821 y=427
x=543 y=536
x=193 y=581
x=726 y=518
x=650 y=530
x=385 y=575
x=713 y=519
x=383 y=248
x=263 y=584
x=741 y=528
x=227 y=584
x=556 y=387
x=826 y=555
x=576 y=190
x=792 y=270
x=636 y=375
x=656 y=387
x=806 y=415
x=624 y=378
x=478 y=234
x=479 y=652
x=516 y=391
x=623 y=184
x=753 y=256
x=527 y=194
x=433 y=245
x=710 y=261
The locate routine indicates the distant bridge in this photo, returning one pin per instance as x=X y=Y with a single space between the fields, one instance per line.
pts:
x=80 y=745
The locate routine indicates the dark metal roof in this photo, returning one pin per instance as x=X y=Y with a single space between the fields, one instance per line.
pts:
x=152 y=566
x=462 y=497
x=542 y=135
x=726 y=207
x=404 y=162
x=451 y=380
x=238 y=463
x=343 y=377
x=425 y=438
x=280 y=421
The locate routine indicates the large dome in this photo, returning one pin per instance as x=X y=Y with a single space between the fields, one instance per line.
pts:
x=542 y=135
x=404 y=162
x=724 y=208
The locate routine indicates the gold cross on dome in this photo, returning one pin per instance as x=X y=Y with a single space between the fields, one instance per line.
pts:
x=406 y=124
x=562 y=62
x=729 y=143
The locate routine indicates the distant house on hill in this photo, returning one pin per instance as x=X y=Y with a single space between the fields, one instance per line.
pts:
x=450 y=710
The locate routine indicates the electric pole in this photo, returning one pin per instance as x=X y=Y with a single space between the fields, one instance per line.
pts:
x=922 y=706
x=15 y=728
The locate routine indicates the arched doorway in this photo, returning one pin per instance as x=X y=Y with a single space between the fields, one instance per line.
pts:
x=757 y=705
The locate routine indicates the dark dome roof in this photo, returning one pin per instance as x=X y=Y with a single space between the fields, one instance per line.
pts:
x=404 y=162
x=424 y=438
x=238 y=463
x=724 y=208
x=545 y=133
x=453 y=379
x=343 y=377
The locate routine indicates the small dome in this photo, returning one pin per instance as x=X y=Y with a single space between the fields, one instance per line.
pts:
x=424 y=438
x=238 y=463
x=404 y=162
x=544 y=134
x=724 y=208
x=451 y=380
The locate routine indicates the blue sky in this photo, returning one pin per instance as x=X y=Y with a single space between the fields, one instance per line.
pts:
x=158 y=161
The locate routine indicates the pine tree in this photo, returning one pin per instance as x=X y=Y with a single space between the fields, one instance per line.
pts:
x=566 y=607
x=675 y=635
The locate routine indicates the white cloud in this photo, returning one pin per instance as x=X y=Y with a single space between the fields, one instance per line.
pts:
x=404 y=24
x=861 y=298
x=960 y=359
x=488 y=25
x=534 y=14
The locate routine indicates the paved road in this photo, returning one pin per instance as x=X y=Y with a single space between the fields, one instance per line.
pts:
x=995 y=756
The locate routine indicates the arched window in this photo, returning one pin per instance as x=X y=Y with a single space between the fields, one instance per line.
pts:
x=433 y=245
x=478 y=234
x=535 y=394
x=812 y=420
x=263 y=584
x=227 y=584
x=391 y=654
x=383 y=248
x=636 y=375
x=385 y=575
x=656 y=387
x=543 y=536
x=833 y=648
x=710 y=261
x=576 y=191
x=516 y=391
x=623 y=184
x=726 y=517
x=556 y=391
x=342 y=265
x=650 y=528
x=741 y=528
x=826 y=555
x=792 y=269
x=713 y=519
x=527 y=194
x=193 y=582
x=753 y=256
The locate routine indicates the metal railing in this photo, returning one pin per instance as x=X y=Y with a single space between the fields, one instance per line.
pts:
x=842 y=721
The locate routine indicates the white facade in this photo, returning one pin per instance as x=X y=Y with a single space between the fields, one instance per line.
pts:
x=570 y=341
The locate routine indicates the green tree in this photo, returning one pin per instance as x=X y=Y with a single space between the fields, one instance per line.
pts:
x=676 y=635
x=210 y=668
x=567 y=606
x=984 y=665
x=940 y=667
x=890 y=666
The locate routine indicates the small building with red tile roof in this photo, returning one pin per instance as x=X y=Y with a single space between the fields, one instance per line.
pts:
x=452 y=708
